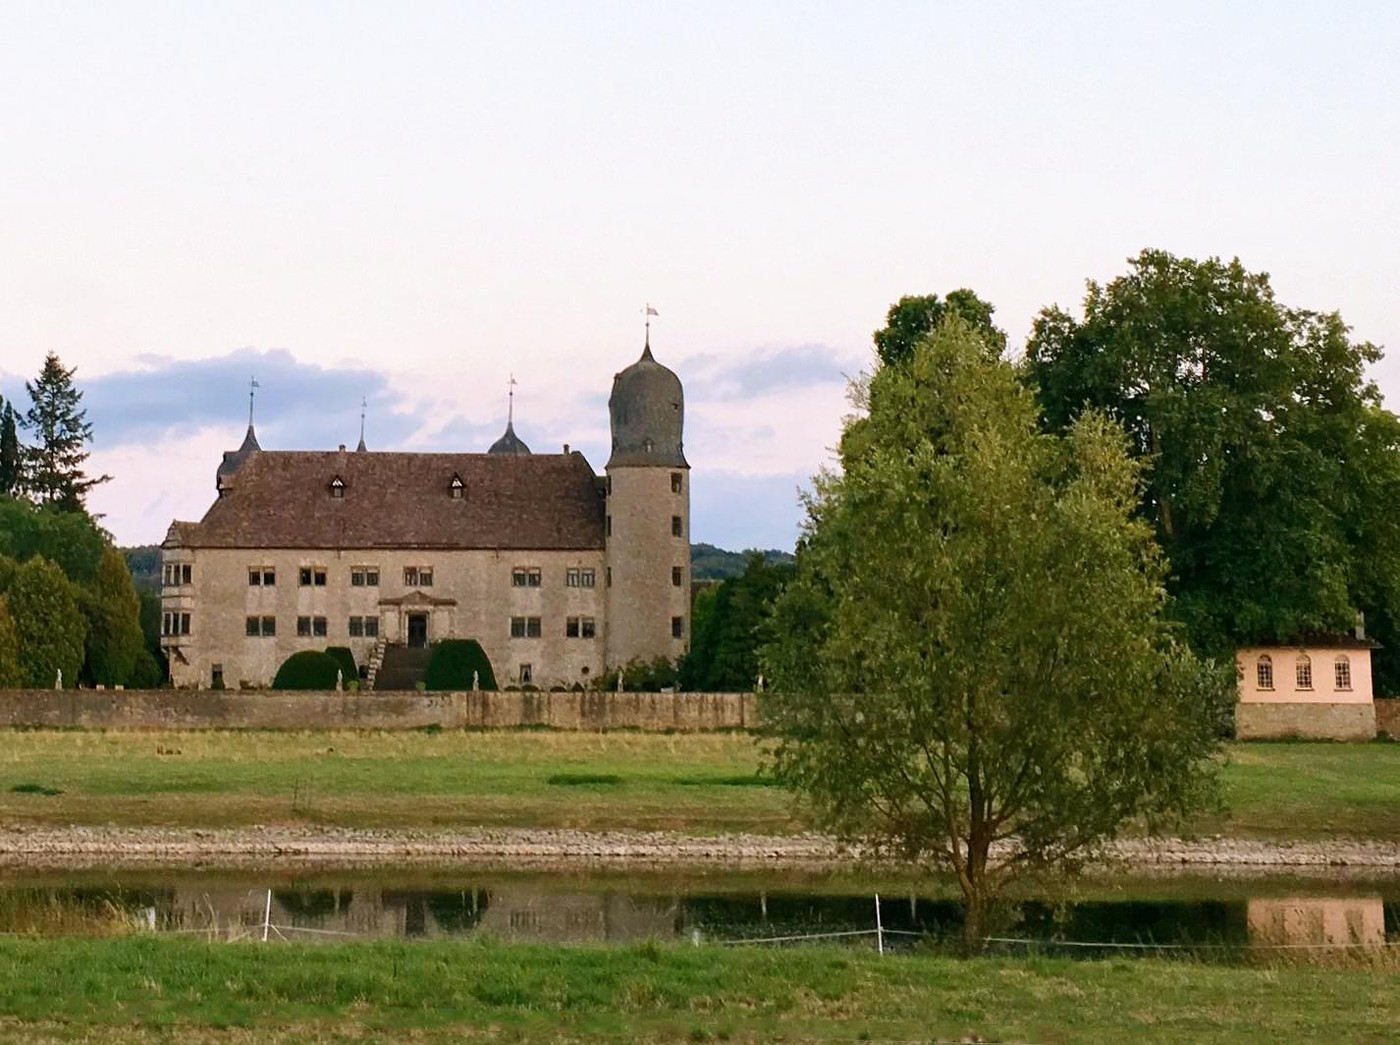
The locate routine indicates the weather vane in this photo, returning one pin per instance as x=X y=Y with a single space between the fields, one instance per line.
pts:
x=253 y=386
x=510 y=400
x=364 y=405
x=649 y=312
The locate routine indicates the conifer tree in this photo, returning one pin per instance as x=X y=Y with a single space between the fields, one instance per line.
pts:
x=9 y=452
x=53 y=465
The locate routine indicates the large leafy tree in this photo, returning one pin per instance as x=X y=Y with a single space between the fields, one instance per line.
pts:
x=10 y=461
x=53 y=463
x=913 y=317
x=114 y=642
x=49 y=623
x=1274 y=485
x=971 y=667
x=725 y=636
x=11 y=673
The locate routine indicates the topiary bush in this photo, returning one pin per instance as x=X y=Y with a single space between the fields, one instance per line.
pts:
x=454 y=661
x=346 y=660
x=309 y=669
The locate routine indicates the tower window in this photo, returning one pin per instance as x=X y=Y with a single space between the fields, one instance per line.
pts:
x=677 y=627
x=676 y=575
x=675 y=482
x=676 y=526
x=609 y=526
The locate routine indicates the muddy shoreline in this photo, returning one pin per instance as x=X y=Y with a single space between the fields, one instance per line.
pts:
x=539 y=849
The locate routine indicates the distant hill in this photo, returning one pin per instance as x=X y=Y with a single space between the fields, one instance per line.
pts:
x=708 y=563
x=144 y=563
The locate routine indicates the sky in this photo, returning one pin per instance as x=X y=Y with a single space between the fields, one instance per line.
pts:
x=406 y=204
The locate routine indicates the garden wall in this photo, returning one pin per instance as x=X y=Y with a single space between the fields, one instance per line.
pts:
x=266 y=709
x=1388 y=717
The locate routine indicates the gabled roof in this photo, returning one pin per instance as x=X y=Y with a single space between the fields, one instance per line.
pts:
x=282 y=499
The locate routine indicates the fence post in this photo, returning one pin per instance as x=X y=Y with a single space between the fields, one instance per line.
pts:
x=879 y=928
x=267 y=916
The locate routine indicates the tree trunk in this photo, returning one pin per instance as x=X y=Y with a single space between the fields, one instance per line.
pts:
x=975 y=898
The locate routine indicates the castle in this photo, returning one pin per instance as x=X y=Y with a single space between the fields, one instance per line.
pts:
x=558 y=572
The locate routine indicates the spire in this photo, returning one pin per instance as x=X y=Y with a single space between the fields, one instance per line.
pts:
x=648 y=312
x=510 y=444
x=362 y=448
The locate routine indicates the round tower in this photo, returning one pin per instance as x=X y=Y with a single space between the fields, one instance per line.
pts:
x=648 y=516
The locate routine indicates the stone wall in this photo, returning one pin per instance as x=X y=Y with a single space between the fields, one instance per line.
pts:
x=1323 y=721
x=265 y=709
x=1388 y=717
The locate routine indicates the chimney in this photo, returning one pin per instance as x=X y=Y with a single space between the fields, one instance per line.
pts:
x=566 y=447
x=1360 y=626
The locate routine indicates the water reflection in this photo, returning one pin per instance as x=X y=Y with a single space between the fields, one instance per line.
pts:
x=618 y=911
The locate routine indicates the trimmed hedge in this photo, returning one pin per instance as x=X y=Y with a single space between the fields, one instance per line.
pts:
x=346 y=660
x=452 y=665
x=309 y=669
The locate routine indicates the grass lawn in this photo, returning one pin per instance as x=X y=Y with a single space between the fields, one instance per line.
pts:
x=698 y=783
x=140 y=990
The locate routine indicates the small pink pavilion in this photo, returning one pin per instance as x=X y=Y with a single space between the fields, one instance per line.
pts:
x=1319 y=688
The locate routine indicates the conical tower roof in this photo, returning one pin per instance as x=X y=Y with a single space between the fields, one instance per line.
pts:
x=647 y=411
x=509 y=443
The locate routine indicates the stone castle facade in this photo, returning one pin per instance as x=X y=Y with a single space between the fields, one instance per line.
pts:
x=558 y=572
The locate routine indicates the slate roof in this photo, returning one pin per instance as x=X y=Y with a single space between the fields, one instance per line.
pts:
x=282 y=499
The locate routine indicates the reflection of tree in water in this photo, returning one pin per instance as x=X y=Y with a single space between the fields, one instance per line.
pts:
x=313 y=904
x=777 y=914
x=452 y=912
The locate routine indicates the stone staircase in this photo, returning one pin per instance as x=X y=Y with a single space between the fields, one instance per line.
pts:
x=376 y=659
x=403 y=668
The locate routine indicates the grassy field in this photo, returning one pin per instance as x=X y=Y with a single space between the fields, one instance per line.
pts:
x=694 y=783
x=191 y=991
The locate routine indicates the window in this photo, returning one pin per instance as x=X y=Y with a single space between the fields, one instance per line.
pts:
x=337 y=487
x=675 y=526
x=677 y=627
x=1304 y=671
x=175 y=624
x=586 y=578
x=1264 y=672
x=456 y=487
x=1342 y=670
x=261 y=626
x=216 y=676
x=608 y=526
x=309 y=576
x=364 y=627
x=608 y=577
x=576 y=577
x=571 y=577
x=318 y=626
x=675 y=482
x=364 y=576
x=527 y=676
x=676 y=576
x=418 y=576
x=173 y=573
x=303 y=627
x=525 y=577
x=261 y=576
x=525 y=627
x=580 y=628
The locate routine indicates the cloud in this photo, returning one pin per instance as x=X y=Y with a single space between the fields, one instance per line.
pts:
x=767 y=371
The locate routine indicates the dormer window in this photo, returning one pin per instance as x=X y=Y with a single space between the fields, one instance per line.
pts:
x=456 y=487
x=337 y=487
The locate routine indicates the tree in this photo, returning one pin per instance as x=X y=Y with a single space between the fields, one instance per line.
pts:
x=50 y=626
x=726 y=624
x=113 y=611
x=971 y=667
x=911 y=319
x=10 y=471
x=53 y=465
x=11 y=672
x=1274 y=487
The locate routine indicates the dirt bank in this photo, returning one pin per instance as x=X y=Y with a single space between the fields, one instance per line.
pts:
x=524 y=848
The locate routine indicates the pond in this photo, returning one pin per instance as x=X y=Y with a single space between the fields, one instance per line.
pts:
x=1200 y=914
